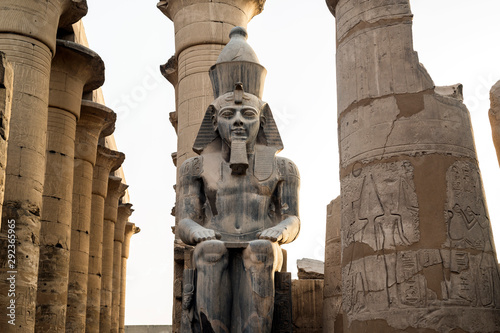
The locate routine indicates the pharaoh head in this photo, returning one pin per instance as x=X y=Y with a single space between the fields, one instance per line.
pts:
x=238 y=116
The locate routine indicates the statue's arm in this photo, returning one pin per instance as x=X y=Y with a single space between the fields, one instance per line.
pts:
x=189 y=205
x=287 y=203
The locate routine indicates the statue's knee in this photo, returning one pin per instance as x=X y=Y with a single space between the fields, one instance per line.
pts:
x=260 y=252
x=211 y=251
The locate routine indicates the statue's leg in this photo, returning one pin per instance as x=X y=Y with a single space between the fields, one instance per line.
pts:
x=261 y=260
x=213 y=287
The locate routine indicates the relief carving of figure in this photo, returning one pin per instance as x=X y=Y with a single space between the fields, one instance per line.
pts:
x=238 y=201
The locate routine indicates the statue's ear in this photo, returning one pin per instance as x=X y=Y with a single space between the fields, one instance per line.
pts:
x=208 y=130
x=271 y=133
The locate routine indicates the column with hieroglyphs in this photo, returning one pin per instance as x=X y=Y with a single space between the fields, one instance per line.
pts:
x=75 y=69
x=28 y=31
x=6 y=91
x=107 y=161
x=124 y=212
x=96 y=120
x=417 y=248
x=201 y=31
x=116 y=190
x=130 y=230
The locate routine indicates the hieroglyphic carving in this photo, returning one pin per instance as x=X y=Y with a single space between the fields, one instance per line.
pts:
x=474 y=278
x=380 y=206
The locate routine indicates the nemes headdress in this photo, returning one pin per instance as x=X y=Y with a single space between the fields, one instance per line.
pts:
x=238 y=71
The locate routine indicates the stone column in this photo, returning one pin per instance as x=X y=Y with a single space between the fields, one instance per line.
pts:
x=494 y=115
x=75 y=69
x=130 y=230
x=124 y=212
x=28 y=37
x=417 y=249
x=107 y=160
x=201 y=31
x=116 y=190
x=95 y=120
x=332 y=293
x=6 y=91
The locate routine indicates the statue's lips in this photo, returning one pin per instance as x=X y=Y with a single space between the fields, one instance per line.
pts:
x=238 y=131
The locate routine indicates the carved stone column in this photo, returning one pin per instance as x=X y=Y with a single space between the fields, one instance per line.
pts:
x=95 y=120
x=116 y=190
x=107 y=160
x=124 y=212
x=494 y=115
x=417 y=249
x=130 y=230
x=6 y=91
x=201 y=31
x=75 y=69
x=332 y=292
x=28 y=37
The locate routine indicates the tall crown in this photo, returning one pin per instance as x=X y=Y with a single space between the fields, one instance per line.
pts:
x=237 y=63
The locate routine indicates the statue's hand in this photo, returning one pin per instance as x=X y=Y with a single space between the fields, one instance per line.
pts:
x=274 y=234
x=201 y=234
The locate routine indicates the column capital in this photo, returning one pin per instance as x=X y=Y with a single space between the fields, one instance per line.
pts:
x=75 y=69
x=116 y=189
x=96 y=120
x=40 y=19
x=124 y=212
x=332 y=4
x=107 y=160
x=130 y=230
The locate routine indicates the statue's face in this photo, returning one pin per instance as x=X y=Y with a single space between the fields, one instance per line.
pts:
x=239 y=122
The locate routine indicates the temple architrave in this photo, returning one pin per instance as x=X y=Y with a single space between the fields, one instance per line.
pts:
x=57 y=153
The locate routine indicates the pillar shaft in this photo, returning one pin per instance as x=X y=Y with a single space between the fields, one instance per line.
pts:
x=74 y=70
x=416 y=234
x=494 y=115
x=28 y=38
x=95 y=120
x=130 y=230
x=6 y=91
x=107 y=161
x=124 y=212
x=116 y=190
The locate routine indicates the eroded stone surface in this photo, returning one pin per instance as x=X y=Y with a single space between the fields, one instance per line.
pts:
x=494 y=115
x=310 y=269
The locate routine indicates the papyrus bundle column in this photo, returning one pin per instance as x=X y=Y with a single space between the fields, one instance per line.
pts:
x=75 y=69
x=494 y=115
x=124 y=212
x=130 y=230
x=116 y=190
x=28 y=37
x=417 y=249
x=201 y=31
x=95 y=120
x=107 y=160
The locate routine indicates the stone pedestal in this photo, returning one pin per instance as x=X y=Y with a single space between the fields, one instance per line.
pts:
x=417 y=249
x=201 y=31
x=130 y=230
x=107 y=160
x=28 y=37
x=116 y=190
x=332 y=293
x=75 y=69
x=124 y=212
x=6 y=91
x=95 y=120
x=494 y=115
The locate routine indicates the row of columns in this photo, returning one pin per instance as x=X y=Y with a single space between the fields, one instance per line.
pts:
x=61 y=199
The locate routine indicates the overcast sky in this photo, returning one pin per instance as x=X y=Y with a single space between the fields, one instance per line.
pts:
x=295 y=40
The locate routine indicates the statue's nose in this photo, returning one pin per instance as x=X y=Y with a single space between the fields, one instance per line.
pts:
x=237 y=120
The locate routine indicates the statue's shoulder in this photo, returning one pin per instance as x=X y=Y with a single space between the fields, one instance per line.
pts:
x=286 y=167
x=192 y=167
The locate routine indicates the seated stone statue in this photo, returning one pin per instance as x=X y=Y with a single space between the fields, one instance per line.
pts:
x=237 y=203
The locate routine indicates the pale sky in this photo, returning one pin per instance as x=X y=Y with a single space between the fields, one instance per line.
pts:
x=457 y=42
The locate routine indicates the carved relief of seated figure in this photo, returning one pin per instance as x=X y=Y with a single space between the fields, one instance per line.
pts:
x=237 y=203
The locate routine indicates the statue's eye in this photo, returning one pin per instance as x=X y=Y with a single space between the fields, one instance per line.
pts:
x=249 y=113
x=227 y=114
